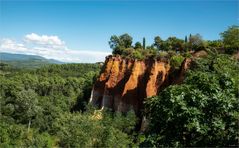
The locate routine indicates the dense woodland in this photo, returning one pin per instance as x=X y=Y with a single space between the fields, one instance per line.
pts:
x=48 y=106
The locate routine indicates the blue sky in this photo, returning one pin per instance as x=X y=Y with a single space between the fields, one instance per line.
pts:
x=88 y=25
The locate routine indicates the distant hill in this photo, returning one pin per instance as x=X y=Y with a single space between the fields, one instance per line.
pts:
x=26 y=61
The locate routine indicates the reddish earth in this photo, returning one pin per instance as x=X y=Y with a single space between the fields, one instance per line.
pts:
x=124 y=83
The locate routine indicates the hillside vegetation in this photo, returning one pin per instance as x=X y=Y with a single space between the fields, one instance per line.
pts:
x=25 y=61
x=42 y=108
x=48 y=106
x=123 y=45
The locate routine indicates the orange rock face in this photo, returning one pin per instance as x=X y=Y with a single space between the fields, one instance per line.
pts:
x=157 y=76
x=124 y=83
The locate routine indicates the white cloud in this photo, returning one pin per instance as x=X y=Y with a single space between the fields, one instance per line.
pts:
x=11 y=45
x=44 y=39
x=50 y=47
x=51 y=41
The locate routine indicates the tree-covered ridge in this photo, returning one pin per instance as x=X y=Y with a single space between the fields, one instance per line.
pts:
x=25 y=61
x=122 y=45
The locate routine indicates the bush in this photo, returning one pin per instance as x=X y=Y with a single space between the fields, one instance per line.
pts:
x=176 y=61
x=163 y=54
x=187 y=54
x=137 y=55
x=127 y=52
x=230 y=39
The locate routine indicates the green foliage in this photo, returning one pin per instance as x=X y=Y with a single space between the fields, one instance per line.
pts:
x=122 y=45
x=187 y=54
x=230 y=39
x=22 y=61
x=176 y=61
x=173 y=43
x=36 y=98
x=46 y=107
x=119 y=43
x=137 y=55
x=196 y=42
x=203 y=111
x=163 y=54
x=16 y=135
x=94 y=129
x=41 y=108
x=215 y=44
x=186 y=39
x=140 y=54
x=30 y=64
x=138 y=45
x=158 y=43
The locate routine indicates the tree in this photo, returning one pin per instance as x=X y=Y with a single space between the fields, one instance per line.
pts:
x=176 y=61
x=126 y=40
x=27 y=106
x=119 y=43
x=173 y=43
x=115 y=44
x=138 y=45
x=196 y=42
x=230 y=39
x=158 y=42
x=186 y=39
x=186 y=43
x=215 y=44
x=144 y=43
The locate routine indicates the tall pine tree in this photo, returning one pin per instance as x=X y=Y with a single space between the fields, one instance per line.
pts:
x=186 y=43
x=144 y=42
x=186 y=39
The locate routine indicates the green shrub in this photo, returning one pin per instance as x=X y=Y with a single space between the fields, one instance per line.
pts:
x=176 y=61
x=171 y=53
x=187 y=54
x=137 y=55
x=163 y=54
x=127 y=52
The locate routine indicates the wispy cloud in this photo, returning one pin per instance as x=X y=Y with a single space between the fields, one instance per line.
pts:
x=51 y=47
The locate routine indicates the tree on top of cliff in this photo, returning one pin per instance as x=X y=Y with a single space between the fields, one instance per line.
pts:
x=230 y=39
x=144 y=44
x=138 y=45
x=174 y=43
x=196 y=42
x=122 y=45
x=119 y=43
x=216 y=44
x=158 y=42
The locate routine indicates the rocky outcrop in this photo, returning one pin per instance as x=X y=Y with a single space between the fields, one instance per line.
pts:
x=124 y=83
x=182 y=71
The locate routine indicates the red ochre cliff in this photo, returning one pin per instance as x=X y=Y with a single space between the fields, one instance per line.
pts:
x=123 y=84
